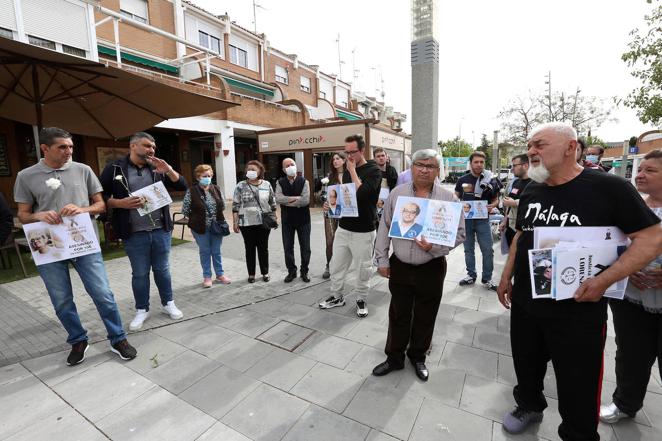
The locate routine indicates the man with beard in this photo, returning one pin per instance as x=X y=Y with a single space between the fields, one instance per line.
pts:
x=520 y=168
x=570 y=333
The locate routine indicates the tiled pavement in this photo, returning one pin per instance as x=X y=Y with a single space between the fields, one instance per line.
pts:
x=262 y=362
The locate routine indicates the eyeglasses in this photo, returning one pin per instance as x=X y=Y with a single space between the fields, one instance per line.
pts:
x=515 y=165
x=351 y=152
x=428 y=167
x=409 y=211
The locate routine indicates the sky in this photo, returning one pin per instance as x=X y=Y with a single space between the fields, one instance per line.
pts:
x=490 y=51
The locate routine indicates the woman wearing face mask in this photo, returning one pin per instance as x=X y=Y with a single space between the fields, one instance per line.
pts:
x=330 y=224
x=254 y=198
x=204 y=204
x=638 y=318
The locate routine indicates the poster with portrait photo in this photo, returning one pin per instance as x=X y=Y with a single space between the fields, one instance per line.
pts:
x=474 y=209
x=408 y=221
x=335 y=207
x=442 y=221
x=542 y=273
x=154 y=196
x=74 y=237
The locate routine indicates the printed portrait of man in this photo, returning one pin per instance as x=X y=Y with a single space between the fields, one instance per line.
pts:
x=406 y=226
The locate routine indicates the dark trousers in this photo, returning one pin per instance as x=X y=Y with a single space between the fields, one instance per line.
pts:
x=415 y=296
x=510 y=235
x=256 y=237
x=330 y=227
x=638 y=344
x=576 y=350
x=303 y=233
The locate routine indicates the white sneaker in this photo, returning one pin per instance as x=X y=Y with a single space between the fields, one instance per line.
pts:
x=172 y=310
x=138 y=320
x=361 y=308
x=611 y=414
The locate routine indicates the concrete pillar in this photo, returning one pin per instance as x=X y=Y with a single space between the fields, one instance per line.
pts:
x=225 y=170
x=301 y=163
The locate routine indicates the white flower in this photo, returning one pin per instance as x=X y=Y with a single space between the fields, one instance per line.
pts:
x=118 y=177
x=53 y=183
x=325 y=181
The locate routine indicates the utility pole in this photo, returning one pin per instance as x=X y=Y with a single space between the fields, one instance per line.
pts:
x=339 y=60
x=254 y=17
x=549 y=93
x=495 y=152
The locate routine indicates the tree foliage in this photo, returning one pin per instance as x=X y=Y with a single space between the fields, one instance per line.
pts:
x=455 y=147
x=486 y=147
x=522 y=114
x=644 y=58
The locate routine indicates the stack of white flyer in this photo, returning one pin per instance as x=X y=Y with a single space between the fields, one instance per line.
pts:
x=564 y=257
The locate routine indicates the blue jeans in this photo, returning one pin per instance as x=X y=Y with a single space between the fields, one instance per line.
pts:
x=149 y=249
x=480 y=228
x=209 y=246
x=92 y=272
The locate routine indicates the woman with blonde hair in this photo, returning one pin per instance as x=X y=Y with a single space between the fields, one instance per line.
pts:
x=203 y=206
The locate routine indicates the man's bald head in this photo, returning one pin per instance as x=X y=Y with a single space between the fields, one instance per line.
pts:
x=552 y=150
x=287 y=162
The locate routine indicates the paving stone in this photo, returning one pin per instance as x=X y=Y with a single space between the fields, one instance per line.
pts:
x=382 y=406
x=443 y=385
x=329 y=323
x=448 y=330
x=319 y=423
x=498 y=434
x=365 y=361
x=492 y=341
x=630 y=431
x=13 y=372
x=172 y=419
x=437 y=421
x=243 y=321
x=182 y=371
x=220 y=391
x=369 y=334
x=198 y=335
x=486 y=398
x=281 y=369
x=376 y=435
x=119 y=386
x=242 y=353
x=476 y=318
x=328 y=387
x=329 y=349
x=267 y=414
x=25 y=402
x=63 y=425
x=153 y=351
x=221 y=432
x=471 y=360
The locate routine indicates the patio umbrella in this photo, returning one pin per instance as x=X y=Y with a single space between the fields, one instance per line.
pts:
x=46 y=88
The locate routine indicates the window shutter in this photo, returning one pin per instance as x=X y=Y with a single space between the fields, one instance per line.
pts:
x=44 y=19
x=7 y=15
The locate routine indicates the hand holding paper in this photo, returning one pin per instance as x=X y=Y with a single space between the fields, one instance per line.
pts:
x=591 y=290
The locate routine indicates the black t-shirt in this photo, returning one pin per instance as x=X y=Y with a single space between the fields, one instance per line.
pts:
x=470 y=194
x=592 y=199
x=366 y=197
x=518 y=188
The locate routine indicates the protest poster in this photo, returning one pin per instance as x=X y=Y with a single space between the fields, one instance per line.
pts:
x=74 y=237
x=474 y=209
x=542 y=274
x=154 y=196
x=408 y=217
x=437 y=221
x=549 y=237
x=342 y=201
x=574 y=265
x=441 y=222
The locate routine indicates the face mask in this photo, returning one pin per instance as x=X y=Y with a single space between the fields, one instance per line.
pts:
x=592 y=159
x=291 y=170
x=205 y=181
x=251 y=174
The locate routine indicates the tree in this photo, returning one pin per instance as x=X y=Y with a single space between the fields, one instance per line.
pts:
x=522 y=114
x=486 y=147
x=645 y=60
x=455 y=147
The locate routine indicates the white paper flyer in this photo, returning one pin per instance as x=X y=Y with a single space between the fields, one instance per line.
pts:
x=154 y=196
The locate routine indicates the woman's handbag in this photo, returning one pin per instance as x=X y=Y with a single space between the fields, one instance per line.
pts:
x=219 y=228
x=268 y=219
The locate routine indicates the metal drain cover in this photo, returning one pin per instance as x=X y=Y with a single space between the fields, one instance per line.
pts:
x=286 y=335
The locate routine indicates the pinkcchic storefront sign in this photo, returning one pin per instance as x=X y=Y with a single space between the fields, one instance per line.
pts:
x=304 y=139
x=386 y=140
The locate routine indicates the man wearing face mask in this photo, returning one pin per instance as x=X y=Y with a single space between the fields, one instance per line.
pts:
x=594 y=156
x=293 y=195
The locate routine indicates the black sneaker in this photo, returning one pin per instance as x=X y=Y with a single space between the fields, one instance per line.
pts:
x=290 y=277
x=305 y=278
x=332 y=302
x=361 y=308
x=467 y=281
x=124 y=350
x=77 y=354
x=489 y=285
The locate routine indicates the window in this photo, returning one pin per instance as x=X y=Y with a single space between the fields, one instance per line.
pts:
x=6 y=33
x=73 y=51
x=238 y=56
x=305 y=84
x=41 y=42
x=322 y=94
x=209 y=41
x=135 y=9
x=282 y=75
